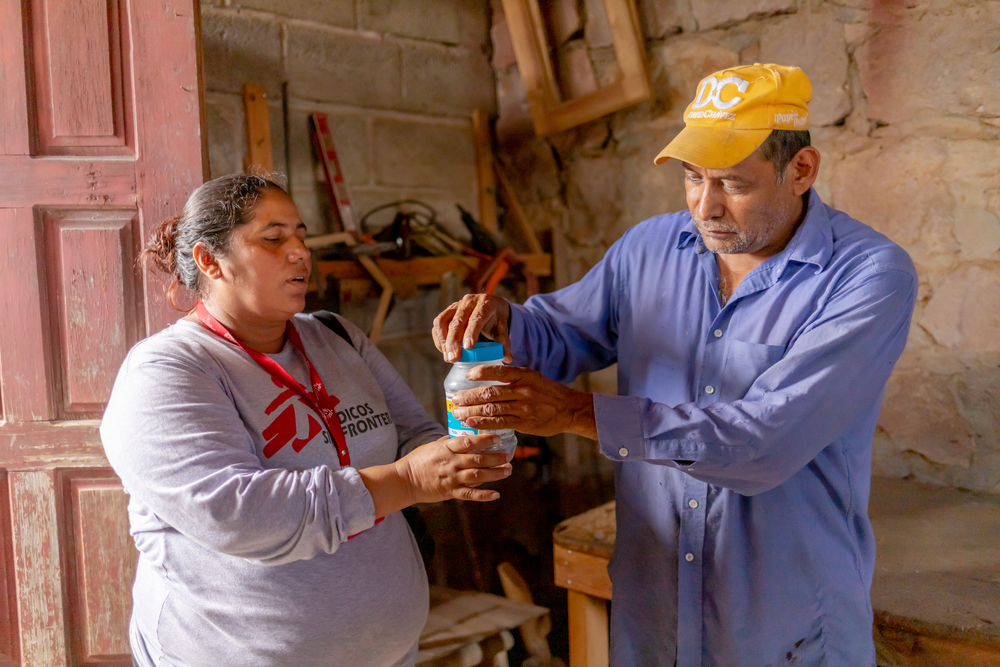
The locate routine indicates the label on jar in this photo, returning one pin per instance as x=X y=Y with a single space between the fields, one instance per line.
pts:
x=457 y=428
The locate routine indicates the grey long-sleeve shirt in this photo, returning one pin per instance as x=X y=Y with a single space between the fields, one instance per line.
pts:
x=244 y=558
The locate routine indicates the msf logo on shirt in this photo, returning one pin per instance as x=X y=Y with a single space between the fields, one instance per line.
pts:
x=284 y=428
x=710 y=92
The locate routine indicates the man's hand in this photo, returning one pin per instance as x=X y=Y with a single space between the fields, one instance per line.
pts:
x=460 y=324
x=440 y=470
x=528 y=402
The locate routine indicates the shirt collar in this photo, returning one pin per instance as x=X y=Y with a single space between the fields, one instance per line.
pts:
x=811 y=244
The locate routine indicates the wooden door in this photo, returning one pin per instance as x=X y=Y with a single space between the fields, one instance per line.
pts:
x=101 y=136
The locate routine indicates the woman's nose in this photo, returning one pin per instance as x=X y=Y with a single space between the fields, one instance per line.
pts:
x=298 y=250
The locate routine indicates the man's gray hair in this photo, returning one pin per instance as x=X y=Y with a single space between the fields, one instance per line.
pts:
x=780 y=147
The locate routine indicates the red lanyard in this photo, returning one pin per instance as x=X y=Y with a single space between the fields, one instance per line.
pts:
x=317 y=399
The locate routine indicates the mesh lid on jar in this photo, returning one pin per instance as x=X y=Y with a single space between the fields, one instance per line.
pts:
x=483 y=352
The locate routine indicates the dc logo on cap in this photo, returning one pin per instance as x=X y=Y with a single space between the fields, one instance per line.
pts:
x=711 y=88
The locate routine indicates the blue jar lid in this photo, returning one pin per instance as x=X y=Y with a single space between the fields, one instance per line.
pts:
x=483 y=352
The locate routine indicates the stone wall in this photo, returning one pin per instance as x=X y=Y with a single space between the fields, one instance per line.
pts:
x=398 y=80
x=906 y=113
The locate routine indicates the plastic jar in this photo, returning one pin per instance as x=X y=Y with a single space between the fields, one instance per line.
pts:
x=481 y=354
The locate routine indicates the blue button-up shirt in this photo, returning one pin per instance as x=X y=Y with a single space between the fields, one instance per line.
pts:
x=742 y=435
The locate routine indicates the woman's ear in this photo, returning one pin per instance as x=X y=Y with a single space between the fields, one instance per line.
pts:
x=206 y=261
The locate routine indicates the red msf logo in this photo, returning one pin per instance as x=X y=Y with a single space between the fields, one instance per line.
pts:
x=283 y=428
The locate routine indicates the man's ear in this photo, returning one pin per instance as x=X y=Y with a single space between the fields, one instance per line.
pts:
x=206 y=261
x=803 y=170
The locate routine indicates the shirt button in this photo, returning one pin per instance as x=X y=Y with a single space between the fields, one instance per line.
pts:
x=689 y=557
x=709 y=389
x=718 y=333
x=622 y=452
x=693 y=503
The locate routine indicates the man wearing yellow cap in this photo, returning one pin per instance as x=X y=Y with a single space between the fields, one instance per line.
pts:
x=754 y=334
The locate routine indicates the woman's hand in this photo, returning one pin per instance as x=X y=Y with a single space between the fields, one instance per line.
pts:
x=460 y=324
x=440 y=470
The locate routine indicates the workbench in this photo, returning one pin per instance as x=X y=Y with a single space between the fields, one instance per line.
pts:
x=408 y=274
x=936 y=590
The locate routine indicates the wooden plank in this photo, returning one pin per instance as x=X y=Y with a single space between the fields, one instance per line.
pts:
x=384 y=300
x=487 y=188
x=259 y=155
x=904 y=648
x=582 y=572
x=535 y=631
x=25 y=356
x=591 y=532
x=14 y=132
x=100 y=565
x=67 y=182
x=168 y=125
x=424 y=270
x=588 y=631
x=48 y=445
x=630 y=49
x=527 y=34
x=527 y=31
x=37 y=567
x=9 y=644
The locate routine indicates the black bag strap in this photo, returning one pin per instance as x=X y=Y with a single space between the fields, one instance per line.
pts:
x=425 y=541
x=331 y=322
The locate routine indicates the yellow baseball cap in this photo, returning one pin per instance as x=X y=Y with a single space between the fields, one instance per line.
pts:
x=735 y=110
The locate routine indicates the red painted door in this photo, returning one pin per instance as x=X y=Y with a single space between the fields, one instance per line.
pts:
x=100 y=137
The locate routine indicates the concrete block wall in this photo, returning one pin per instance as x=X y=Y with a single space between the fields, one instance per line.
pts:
x=906 y=114
x=399 y=80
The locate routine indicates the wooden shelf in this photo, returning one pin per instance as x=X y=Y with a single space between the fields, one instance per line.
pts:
x=406 y=275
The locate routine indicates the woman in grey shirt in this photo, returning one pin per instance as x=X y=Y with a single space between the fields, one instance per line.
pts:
x=267 y=458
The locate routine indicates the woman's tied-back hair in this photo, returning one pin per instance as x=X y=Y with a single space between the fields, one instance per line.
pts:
x=210 y=215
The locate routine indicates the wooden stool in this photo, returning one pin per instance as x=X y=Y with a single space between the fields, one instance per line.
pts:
x=936 y=591
x=583 y=546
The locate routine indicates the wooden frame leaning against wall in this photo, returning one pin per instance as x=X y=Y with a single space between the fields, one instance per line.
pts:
x=549 y=112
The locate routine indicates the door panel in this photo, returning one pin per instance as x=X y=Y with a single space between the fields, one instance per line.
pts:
x=100 y=564
x=81 y=72
x=101 y=136
x=40 y=603
x=89 y=257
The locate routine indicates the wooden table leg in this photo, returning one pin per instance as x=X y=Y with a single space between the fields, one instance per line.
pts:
x=588 y=630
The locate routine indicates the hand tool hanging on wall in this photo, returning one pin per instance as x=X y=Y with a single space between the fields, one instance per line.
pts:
x=343 y=211
x=496 y=260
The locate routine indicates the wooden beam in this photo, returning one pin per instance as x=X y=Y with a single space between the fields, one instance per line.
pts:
x=549 y=112
x=588 y=630
x=258 y=130
x=484 y=170
x=516 y=212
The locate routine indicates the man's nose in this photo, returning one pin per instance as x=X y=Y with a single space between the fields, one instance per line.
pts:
x=709 y=204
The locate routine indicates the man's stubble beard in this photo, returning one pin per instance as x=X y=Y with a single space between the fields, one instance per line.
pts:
x=746 y=241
